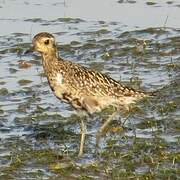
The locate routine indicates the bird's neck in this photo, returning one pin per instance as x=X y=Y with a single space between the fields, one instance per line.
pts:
x=50 y=55
x=49 y=61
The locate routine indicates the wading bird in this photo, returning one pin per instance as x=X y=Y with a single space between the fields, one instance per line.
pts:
x=84 y=88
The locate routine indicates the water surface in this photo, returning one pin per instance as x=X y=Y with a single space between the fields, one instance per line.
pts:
x=136 y=42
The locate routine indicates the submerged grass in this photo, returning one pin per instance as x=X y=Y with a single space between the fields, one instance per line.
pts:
x=40 y=136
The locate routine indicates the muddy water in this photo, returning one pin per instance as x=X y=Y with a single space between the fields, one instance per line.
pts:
x=136 y=42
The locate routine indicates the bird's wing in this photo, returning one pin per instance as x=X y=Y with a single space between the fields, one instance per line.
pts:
x=95 y=83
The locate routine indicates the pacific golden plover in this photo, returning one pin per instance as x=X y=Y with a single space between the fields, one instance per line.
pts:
x=84 y=88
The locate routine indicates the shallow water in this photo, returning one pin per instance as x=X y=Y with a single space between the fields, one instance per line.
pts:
x=136 y=42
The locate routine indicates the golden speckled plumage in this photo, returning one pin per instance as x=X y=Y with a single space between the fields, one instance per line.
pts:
x=82 y=87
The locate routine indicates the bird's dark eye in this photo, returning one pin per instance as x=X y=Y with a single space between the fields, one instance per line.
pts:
x=46 y=42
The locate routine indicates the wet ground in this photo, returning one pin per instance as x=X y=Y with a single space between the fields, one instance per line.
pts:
x=137 y=42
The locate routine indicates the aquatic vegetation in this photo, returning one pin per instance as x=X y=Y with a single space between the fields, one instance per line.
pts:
x=40 y=136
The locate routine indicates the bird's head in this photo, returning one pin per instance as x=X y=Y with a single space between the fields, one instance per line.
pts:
x=44 y=43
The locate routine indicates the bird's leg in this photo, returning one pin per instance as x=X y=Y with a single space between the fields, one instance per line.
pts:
x=103 y=127
x=83 y=133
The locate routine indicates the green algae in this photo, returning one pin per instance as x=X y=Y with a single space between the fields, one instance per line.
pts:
x=35 y=20
x=69 y=20
x=151 y=3
x=1 y=111
x=23 y=82
x=40 y=135
x=3 y=91
x=2 y=82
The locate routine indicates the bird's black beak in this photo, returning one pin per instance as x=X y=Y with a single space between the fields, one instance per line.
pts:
x=29 y=51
